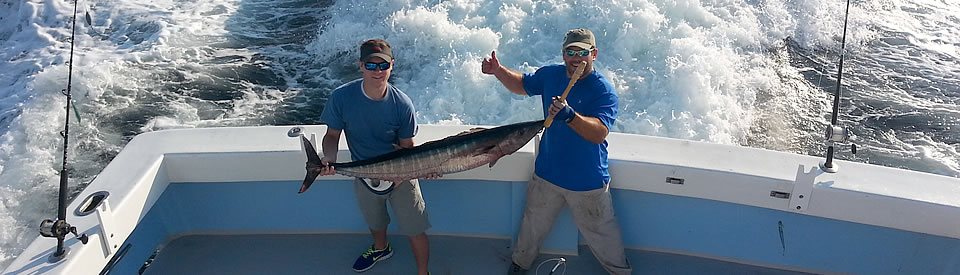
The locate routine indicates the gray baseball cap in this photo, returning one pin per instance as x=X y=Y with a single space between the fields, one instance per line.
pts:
x=582 y=38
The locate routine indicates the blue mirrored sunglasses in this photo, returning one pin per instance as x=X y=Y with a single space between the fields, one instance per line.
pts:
x=370 y=66
x=578 y=53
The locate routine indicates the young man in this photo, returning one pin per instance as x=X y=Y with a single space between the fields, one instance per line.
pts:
x=378 y=118
x=571 y=168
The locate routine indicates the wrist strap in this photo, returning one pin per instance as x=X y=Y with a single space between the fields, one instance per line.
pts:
x=570 y=119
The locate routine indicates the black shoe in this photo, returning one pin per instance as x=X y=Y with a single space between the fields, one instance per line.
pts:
x=515 y=269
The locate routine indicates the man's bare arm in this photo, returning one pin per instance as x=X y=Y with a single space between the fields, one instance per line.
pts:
x=590 y=128
x=331 y=144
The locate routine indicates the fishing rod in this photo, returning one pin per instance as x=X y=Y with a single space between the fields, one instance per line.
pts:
x=60 y=228
x=836 y=133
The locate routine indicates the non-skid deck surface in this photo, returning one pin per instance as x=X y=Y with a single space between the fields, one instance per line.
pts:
x=335 y=253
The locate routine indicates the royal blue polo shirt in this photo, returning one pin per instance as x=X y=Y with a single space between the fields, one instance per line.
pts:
x=565 y=158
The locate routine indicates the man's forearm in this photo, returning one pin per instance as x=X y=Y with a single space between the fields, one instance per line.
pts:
x=512 y=80
x=330 y=147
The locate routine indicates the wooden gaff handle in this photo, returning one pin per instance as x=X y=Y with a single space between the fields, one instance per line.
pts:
x=563 y=97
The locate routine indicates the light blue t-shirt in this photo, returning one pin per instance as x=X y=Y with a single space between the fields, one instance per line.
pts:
x=371 y=126
x=566 y=158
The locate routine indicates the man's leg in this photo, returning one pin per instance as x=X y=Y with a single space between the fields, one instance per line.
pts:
x=541 y=210
x=594 y=216
x=411 y=214
x=379 y=238
x=374 y=209
x=421 y=251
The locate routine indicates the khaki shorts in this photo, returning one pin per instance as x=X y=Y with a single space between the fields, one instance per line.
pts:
x=406 y=202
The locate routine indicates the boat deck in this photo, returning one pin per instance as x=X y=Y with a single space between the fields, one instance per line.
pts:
x=335 y=253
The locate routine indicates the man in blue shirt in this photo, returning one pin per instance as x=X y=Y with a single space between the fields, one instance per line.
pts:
x=377 y=118
x=571 y=167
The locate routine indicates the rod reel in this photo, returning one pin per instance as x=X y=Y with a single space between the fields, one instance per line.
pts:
x=59 y=229
x=837 y=134
x=833 y=136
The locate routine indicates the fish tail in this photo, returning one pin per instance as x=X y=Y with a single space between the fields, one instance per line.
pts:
x=308 y=180
x=313 y=160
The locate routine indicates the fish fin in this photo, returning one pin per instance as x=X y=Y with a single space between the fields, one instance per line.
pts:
x=313 y=160
x=464 y=133
x=312 y=156
x=308 y=180
x=493 y=162
x=472 y=130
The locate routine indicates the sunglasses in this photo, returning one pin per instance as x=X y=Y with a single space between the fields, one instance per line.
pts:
x=578 y=53
x=370 y=66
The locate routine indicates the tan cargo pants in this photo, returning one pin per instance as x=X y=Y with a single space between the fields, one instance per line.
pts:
x=592 y=213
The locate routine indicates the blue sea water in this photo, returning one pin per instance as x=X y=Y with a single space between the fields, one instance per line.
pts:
x=753 y=73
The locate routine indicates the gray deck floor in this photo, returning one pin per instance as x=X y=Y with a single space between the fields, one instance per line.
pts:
x=335 y=253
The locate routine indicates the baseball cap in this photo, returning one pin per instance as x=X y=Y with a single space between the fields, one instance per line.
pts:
x=375 y=48
x=582 y=38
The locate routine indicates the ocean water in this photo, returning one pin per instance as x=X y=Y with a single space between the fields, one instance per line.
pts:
x=753 y=73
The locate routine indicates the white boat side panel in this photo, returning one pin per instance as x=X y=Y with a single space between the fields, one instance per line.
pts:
x=779 y=165
x=862 y=193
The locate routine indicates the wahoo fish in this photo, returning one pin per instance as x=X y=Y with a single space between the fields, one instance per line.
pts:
x=460 y=152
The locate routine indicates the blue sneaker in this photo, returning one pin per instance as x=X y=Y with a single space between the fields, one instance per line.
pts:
x=371 y=257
